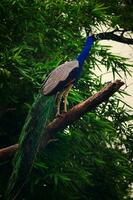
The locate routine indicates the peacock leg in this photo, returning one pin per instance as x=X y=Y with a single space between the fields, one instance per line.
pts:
x=58 y=102
x=65 y=94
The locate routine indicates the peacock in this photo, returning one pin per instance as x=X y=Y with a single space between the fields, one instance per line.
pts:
x=45 y=108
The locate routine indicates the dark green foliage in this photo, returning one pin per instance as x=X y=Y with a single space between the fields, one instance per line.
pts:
x=121 y=12
x=92 y=158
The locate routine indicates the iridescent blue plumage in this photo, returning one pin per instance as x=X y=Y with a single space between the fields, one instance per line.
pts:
x=85 y=52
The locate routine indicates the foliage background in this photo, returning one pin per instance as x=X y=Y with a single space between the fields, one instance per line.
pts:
x=92 y=158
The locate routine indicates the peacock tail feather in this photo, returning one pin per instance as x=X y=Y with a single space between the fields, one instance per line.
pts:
x=41 y=113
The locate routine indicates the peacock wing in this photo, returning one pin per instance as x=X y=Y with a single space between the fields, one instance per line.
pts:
x=59 y=74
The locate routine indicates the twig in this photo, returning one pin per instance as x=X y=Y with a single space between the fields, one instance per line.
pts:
x=71 y=116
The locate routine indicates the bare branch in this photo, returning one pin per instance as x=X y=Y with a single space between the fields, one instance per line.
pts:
x=112 y=36
x=7 y=152
x=71 y=116
x=86 y=106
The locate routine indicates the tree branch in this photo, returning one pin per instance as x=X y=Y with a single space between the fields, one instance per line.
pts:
x=7 y=152
x=71 y=116
x=86 y=106
x=112 y=36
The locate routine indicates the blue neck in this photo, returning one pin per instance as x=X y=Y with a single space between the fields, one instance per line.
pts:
x=85 y=52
